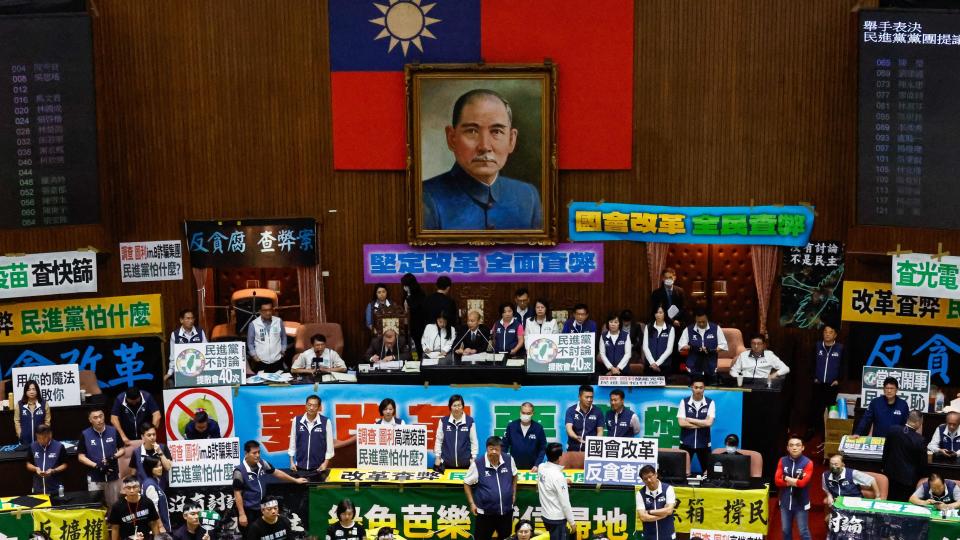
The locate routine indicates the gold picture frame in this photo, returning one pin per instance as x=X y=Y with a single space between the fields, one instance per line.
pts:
x=481 y=182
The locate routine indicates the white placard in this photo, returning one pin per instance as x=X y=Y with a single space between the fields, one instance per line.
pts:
x=43 y=274
x=392 y=448
x=183 y=403
x=618 y=460
x=151 y=261
x=631 y=380
x=914 y=385
x=725 y=535
x=204 y=462
x=59 y=385
x=210 y=364
x=920 y=274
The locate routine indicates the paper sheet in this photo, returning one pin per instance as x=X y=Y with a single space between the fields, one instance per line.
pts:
x=672 y=311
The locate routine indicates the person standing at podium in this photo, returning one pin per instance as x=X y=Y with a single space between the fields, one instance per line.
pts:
x=266 y=341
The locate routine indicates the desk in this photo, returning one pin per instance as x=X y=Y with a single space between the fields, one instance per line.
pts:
x=947 y=469
x=18 y=481
x=853 y=518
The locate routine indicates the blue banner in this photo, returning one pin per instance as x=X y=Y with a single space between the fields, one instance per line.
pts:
x=387 y=263
x=755 y=225
x=267 y=411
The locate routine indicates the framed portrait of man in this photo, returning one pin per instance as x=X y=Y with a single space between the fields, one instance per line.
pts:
x=481 y=144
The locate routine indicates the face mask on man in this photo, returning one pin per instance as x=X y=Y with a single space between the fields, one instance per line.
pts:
x=835 y=470
x=731 y=449
x=526 y=418
x=668 y=282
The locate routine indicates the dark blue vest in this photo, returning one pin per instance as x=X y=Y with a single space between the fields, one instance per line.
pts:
x=845 y=486
x=494 y=490
x=696 y=437
x=46 y=458
x=198 y=337
x=136 y=462
x=795 y=498
x=828 y=362
x=697 y=362
x=505 y=338
x=661 y=529
x=615 y=349
x=311 y=443
x=657 y=342
x=455 y=450
x=947 y=497
x=29 y=421
x=619 y=425
x=946 y=443
x=100 y=446
x=163 y=507
x=252 y=485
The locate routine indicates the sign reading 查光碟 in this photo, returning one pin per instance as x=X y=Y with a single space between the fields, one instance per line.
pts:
x=920 y=274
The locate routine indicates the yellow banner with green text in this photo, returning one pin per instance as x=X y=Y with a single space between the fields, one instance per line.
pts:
x=80 y=318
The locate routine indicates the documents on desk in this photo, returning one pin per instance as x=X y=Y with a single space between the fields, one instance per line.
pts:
x=339 y=377
x=482 y=357
x=381 y=366
x=430 y=361
x=516 y=362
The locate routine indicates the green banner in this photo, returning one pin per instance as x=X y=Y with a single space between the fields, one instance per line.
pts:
x=16 y=526
x=442 y=512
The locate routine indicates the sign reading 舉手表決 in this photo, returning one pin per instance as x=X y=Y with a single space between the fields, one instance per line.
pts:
x=209 y=364
x=561 y=263
x=59 y=385
x=43 y=274
x=617 y=460
x=394 y=448
x=80 y=318
x=203 y=462
x=755 y=225
x=914 y=385
x=560 y=353
x=920 y=274
x=257 y=243
x=151 y=261
x=871 y=302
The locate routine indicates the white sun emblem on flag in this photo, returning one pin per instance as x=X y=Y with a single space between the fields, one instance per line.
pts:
x=405 y=22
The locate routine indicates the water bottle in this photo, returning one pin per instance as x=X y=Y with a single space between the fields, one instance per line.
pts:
x=938 y=405
x=60 y=491
x=842 y=407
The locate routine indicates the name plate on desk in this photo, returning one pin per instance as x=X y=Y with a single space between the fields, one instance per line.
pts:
x=482 y=357
x=631 y=380
x=864 y=446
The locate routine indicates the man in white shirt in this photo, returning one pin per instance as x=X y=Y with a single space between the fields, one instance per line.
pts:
x=946 y=438
x=695 y=416
x=758 y=362
x=701 y=342
x=187 y=333
x=311 y=439
x=266 y=341
x=655 y=503
x=555 y=509
x=318 y=359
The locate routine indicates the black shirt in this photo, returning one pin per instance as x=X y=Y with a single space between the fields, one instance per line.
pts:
x=261 y=530
x=438 y=303
x=339 y=532
x=184 y=534
x=133 y=517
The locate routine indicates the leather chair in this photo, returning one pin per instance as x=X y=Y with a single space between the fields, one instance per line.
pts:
x=756 y=460
x=572 y=460
x=332 y=331
x=735 y=346
x=883 y=487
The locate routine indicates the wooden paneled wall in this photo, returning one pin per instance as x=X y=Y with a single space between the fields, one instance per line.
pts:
x=222 y=110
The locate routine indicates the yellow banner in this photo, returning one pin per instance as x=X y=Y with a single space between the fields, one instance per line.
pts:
x=79 y=318
x=86 y=524
x=867 y=301
x=721 y=509
x=24 y=502
x=365 y=476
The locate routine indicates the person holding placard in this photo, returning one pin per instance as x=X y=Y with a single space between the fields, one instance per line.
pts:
x=187 y=333
x=31 y=412
x=580 y=322
x=48 y=458
x=388 y=413
x=542 y=321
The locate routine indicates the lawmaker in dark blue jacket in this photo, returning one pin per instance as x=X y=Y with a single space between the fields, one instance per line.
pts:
x=473 y=195
x=525 y=439
x=884 y=413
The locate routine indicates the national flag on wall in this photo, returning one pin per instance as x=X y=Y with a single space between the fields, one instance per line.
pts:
x=591 y=43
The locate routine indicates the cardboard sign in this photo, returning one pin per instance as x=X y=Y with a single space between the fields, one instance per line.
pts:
x=59 y=385
x=617 y=460
x=561 y=353
x=204 y=462
x=392 y=448
x=210 y=364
